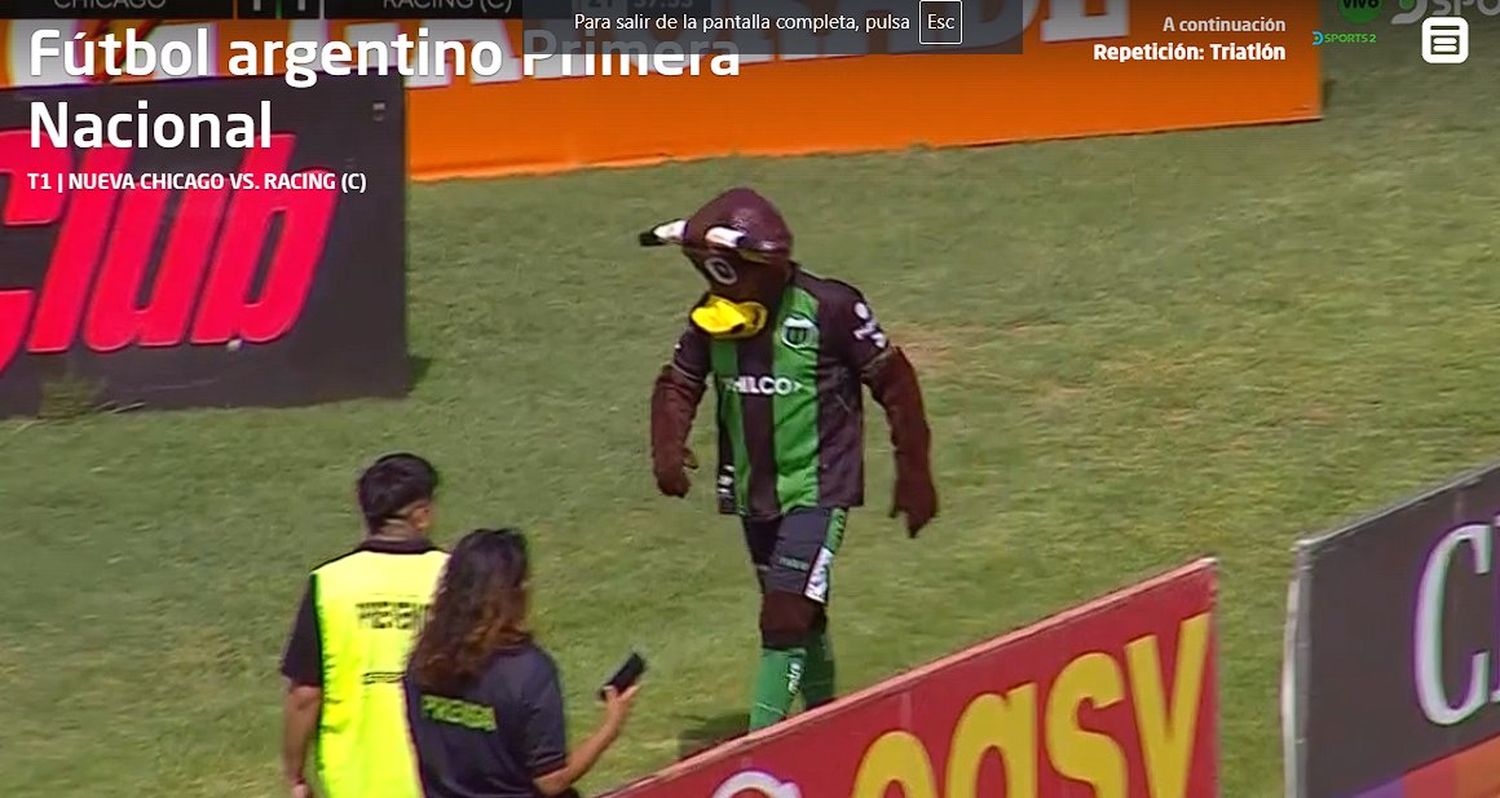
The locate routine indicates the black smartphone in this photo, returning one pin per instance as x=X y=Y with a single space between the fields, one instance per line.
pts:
x=627 y=675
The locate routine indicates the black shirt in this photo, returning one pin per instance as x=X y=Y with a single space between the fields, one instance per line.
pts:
x=493 y=739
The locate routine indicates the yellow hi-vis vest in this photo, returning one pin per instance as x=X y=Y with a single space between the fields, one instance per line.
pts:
x=370 y=607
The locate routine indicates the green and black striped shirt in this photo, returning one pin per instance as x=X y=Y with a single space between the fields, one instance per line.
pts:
x=791 y=424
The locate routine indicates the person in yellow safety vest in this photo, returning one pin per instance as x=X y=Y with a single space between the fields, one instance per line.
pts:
x=349 y=645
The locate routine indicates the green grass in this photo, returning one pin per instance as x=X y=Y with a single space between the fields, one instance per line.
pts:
x=1136 y=350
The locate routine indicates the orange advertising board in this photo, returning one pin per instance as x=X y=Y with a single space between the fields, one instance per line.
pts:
x=1051 y=90
x=1068 y=81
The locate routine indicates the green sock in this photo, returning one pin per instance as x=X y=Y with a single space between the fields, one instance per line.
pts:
x=817 y=680
x=776 y=684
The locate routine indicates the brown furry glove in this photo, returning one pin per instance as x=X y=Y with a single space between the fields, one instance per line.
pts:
x=893 y=382
x=674 y=402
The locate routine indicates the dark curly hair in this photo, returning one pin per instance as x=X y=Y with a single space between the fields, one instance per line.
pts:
x=480 y=609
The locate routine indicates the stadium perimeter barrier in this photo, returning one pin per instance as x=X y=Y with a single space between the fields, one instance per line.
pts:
x=839 y=94
x=261 y=293
x=1115 y=697
x=1390 y=687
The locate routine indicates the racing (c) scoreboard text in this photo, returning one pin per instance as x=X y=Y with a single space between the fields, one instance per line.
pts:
x=378 y=9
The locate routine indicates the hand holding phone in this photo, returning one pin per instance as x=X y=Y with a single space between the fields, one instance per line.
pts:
x=627 y=675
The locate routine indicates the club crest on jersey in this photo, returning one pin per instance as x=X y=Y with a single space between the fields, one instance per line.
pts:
x=799 y=332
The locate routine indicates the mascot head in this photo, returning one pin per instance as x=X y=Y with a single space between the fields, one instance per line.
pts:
x=743 y=248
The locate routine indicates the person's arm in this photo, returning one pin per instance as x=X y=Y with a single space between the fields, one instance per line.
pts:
x=302 y=665
x=584 y=757
x=674 y=402
x=893 y=382
x=300 y=721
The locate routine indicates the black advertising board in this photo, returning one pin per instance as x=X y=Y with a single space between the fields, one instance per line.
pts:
x=1393 y=657
x=269 y=276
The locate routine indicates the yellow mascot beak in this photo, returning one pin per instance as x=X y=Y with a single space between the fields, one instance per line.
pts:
x=723 y=318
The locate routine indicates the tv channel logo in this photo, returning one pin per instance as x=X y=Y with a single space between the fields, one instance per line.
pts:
x=1359 y=12
x=1413 y=10
x=1320 y=38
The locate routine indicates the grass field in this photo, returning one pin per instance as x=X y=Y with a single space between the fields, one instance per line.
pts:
x=1136 y=350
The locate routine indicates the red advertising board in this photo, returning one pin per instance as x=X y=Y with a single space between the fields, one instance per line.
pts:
x=1114 y=698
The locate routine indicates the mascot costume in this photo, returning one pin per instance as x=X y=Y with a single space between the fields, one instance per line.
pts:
x=787 y=353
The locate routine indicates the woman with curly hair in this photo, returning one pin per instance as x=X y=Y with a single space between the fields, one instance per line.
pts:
x=484 y=702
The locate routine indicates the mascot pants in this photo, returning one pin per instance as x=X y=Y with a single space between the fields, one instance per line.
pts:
x=793 y=557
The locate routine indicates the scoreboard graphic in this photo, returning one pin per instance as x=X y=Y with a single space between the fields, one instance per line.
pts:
x=284 y=9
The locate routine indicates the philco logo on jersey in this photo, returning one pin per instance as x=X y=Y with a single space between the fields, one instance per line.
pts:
x=799 y=332
x=750 y=385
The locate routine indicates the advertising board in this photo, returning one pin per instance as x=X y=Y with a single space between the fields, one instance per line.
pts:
x=206 y=276
x=793 y=95
x=1393 y=686
x=1114 y=698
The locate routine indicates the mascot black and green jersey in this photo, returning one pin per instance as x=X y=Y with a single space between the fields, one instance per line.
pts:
x=788 y=354
x=789 y=402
